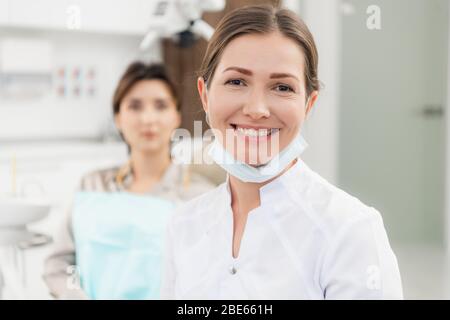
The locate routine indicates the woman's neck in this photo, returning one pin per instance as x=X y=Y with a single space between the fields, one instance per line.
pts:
x=245 y=196
x=149 y=166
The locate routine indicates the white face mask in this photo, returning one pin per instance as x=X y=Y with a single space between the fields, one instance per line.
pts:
x=271 y=169
x=247 y=173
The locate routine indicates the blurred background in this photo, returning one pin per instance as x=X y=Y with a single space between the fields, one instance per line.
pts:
x=378 y=130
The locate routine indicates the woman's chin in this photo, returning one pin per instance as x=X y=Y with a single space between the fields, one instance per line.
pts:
x=254 y=159
x=149 y=147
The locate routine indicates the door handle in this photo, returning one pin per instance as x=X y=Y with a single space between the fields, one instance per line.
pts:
x=432 y=111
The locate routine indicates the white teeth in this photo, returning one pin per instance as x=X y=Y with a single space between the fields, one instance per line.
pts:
x=273 y=131
x=256 y=133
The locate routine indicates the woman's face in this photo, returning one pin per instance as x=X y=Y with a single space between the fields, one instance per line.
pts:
x=147 y=117
x=256 y=98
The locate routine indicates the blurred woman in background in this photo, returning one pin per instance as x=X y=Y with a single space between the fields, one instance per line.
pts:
x=111 y=238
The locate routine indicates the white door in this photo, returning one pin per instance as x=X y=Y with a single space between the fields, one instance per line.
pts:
x=392 y=131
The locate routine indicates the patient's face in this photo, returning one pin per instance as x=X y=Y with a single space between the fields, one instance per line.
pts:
x=147 y=116
x=256 y=98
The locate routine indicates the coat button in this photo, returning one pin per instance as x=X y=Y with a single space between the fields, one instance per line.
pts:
x=232 y=270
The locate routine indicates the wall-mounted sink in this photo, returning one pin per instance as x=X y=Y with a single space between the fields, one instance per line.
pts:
x=16 y=214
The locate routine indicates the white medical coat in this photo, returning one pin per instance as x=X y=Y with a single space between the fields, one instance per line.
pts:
x=307 y=240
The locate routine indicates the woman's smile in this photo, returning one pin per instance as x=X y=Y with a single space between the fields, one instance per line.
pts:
x=252 y=132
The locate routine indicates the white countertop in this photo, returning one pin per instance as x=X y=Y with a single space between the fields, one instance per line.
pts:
x=58 y=149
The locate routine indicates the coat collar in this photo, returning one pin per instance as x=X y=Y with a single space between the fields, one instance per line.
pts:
x=275 y=192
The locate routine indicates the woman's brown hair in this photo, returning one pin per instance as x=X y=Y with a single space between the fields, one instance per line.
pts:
x=262 y=19
x=138 y=71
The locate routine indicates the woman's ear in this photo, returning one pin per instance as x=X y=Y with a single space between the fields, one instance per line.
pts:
x=201 y=86
x=117 y=122
x=178 y=120
x=311 y=101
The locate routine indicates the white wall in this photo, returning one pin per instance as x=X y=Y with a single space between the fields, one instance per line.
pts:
x=447 y=122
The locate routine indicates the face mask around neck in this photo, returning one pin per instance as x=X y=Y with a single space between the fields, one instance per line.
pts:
x=248 y=173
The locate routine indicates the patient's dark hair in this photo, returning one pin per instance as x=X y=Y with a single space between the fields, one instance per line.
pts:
x=138 y=71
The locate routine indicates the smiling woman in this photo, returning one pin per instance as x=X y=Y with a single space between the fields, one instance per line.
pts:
x=275 y=229
x=283 y=84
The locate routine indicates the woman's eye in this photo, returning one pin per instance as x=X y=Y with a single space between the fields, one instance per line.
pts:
x=135 y=106
x=235 y=82
x=161 y=105
x=284 y=88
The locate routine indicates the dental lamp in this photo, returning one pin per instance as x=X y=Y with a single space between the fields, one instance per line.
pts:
x=180 y=20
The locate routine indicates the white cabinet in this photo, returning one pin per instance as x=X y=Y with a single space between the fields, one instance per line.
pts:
x=54 y=169
x=105 y=16
x=43 y=13
x=4 y=12
x=118 y=16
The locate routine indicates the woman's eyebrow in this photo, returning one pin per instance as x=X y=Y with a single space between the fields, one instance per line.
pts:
x=282 y=75
x=240 y=70
x=159 y=99
x=272 y=75
x=134 y=100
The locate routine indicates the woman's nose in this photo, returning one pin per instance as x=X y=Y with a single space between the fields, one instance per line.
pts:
x=256 y=107
x=148 y=117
